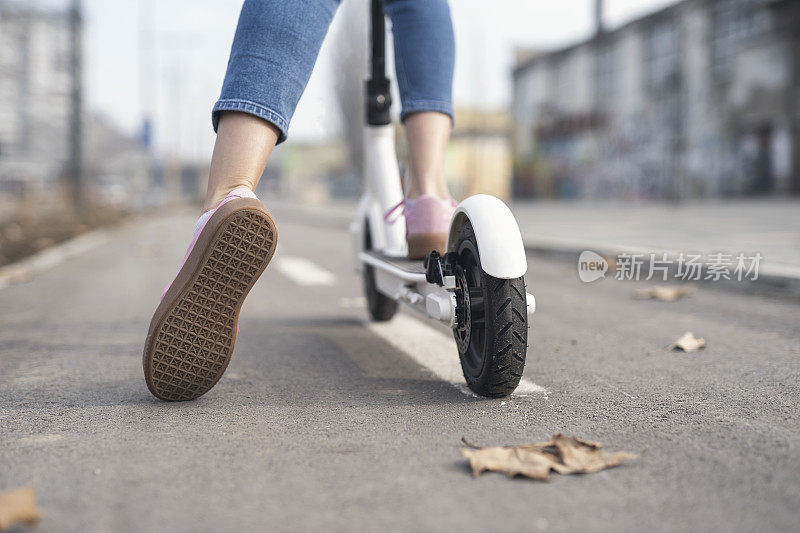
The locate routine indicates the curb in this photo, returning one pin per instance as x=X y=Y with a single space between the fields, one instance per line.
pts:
x=26 y=269
x=773 y=280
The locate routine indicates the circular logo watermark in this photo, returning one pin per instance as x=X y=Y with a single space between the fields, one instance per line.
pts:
x=591 y=266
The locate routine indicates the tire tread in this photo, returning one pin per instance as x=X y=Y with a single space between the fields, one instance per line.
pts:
x=506 y=331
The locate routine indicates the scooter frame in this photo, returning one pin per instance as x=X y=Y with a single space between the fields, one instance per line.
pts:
x=499 y=241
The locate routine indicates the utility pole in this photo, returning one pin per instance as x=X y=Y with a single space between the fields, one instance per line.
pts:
x=147 y=92
x=787 y=17
x=598 y=17
x=75 y=170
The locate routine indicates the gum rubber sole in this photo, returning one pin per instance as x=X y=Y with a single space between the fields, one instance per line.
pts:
x=421 y=244
x=193 y=331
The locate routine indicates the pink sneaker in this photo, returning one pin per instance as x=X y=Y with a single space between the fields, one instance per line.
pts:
x=193 y=331
x=427 y=223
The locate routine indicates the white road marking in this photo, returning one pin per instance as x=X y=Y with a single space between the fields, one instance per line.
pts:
x=435 y=351
x=304 y=272
x=356 y=302
x=42 y=438
x=26 y=269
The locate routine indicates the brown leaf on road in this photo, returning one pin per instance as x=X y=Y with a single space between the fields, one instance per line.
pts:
x=14 y=275
x=565 y=455
x=662 y=293
x=688 y=343
x=18 y=506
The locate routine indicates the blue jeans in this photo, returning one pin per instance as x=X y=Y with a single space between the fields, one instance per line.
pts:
x=277 y=42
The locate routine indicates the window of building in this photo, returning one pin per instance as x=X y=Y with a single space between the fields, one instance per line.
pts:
x=605 y=74
x=662 y=56
x=736 y=23
x=61 y=61
x=662 y=74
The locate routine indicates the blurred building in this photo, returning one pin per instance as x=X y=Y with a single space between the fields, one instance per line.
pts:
x=309 y=172
x=40 y=96
x=35 y=98
x=121 y=172
x=479 y=154
x=699 y=99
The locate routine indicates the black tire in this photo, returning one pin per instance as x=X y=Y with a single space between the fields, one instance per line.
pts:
x=492 y=330
x=381 y=308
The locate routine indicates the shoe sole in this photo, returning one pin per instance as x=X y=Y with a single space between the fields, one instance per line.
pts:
x=193 y=331
x=421 y=244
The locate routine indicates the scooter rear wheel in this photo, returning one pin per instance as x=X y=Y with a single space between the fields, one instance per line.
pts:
x=491 y=328
x=381 y=308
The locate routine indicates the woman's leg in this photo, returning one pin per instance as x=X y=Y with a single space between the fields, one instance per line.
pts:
x=424 y=60
x=428 y=133
x=273 y=53
x=244 y=144
x=193 y=330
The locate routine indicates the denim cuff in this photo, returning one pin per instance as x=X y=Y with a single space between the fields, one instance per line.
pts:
x=245 y=106
x=415 y=106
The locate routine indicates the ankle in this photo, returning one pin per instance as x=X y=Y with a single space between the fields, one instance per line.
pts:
x=216 y=195
x=438 y=191
x=439 y=195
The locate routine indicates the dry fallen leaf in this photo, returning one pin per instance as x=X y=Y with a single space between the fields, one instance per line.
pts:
x=565 y=455
x=18 y=506
x=14 y=275
x=662 y=293
x=688 y=343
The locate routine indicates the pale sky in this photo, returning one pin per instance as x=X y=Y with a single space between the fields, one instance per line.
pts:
x=192 y=41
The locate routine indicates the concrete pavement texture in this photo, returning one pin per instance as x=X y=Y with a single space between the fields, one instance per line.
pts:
x=324 y=421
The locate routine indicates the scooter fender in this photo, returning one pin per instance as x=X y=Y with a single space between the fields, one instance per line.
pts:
x=496 y=230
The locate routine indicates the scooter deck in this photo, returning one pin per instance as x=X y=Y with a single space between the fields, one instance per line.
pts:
x=412 y=266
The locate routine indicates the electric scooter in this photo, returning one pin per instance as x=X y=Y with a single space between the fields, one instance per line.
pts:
x=476 y=286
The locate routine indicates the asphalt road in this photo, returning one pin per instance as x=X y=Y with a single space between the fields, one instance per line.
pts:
x=325 y=422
